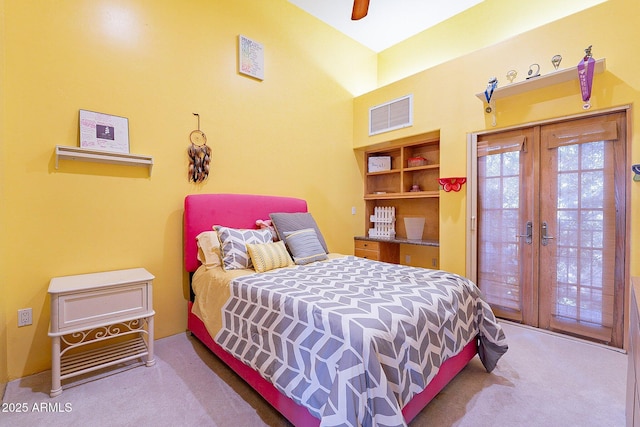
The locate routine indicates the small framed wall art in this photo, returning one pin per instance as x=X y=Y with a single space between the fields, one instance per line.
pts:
x=250 y=58
x=104 y=132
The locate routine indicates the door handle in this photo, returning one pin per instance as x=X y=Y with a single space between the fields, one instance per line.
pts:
x=544 y=234
x=529 y=234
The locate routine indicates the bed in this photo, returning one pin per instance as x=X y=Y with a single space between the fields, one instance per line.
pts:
x=352 y=378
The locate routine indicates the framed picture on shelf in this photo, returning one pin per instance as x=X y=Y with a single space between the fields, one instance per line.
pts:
x=104 y=132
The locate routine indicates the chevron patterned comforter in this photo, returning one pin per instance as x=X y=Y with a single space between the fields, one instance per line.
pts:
x=354 y=340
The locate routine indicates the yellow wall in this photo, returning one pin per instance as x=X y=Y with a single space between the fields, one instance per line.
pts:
x=3 y=242
x=292 y=134
x=488 y=23
x=156 y=63
x=444 y=98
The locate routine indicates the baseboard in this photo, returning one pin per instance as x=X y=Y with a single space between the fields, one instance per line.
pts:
x=564 y=336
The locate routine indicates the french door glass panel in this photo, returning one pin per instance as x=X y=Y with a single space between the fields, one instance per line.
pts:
x=499 y=247
x=580 y=244
x=502 y=210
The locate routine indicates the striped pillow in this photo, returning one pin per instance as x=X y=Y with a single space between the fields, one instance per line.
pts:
x=233 y=243
x=269 y=256
x=287 y=222
x=305 y=246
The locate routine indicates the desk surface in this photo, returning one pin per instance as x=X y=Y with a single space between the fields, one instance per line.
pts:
x=403 y=241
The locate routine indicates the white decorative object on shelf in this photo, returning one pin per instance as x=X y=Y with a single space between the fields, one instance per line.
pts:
x=414 y=227
x=552 y=78
x=379 y=164
x=384 y=223
x=83 y=154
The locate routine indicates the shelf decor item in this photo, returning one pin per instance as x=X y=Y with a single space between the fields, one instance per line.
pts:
x=452 y=184
x=379 y=164
x=384 y=223
x=488 y=93
x=534 y=71
x=413 y=162
x=104 y=132
x=586 y=70
x=414 y=227
x=491 y=103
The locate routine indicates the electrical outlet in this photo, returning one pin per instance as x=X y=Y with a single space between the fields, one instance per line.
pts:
x=353 y=210
x=25 y=317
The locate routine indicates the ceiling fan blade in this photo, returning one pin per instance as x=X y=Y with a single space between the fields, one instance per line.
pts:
x=360 y=9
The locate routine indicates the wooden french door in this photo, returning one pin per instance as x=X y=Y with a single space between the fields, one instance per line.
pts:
x=551 y=225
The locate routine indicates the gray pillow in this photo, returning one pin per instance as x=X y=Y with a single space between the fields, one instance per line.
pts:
x=304 y=246
x=287 y=222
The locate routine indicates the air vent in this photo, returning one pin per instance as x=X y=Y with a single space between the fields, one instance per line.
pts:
x=391 y=115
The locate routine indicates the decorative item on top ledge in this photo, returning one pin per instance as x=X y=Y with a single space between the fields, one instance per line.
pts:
x=534 y=71
x=492 y=84
x=586 y=69
x=452 y=184
x=199 y=155
x=384 y=223
x=636 y=172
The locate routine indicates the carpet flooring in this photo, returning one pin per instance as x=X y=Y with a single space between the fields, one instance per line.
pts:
x=543 y=380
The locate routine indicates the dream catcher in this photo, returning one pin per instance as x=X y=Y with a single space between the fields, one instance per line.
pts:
x=199 y=155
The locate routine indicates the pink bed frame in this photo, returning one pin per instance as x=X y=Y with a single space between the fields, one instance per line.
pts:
x=201 y=212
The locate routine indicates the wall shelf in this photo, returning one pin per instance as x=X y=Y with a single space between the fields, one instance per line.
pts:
x=550 y=79
x=99 y=156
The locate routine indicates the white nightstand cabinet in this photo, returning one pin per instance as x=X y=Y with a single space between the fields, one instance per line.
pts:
x=94 y=309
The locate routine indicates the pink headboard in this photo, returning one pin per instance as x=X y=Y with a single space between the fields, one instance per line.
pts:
x=202 y=211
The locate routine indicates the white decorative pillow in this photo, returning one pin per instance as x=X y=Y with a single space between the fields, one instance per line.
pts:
x=269 y=256
x=305 y=246
x=209 y=249
x=233 y=242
